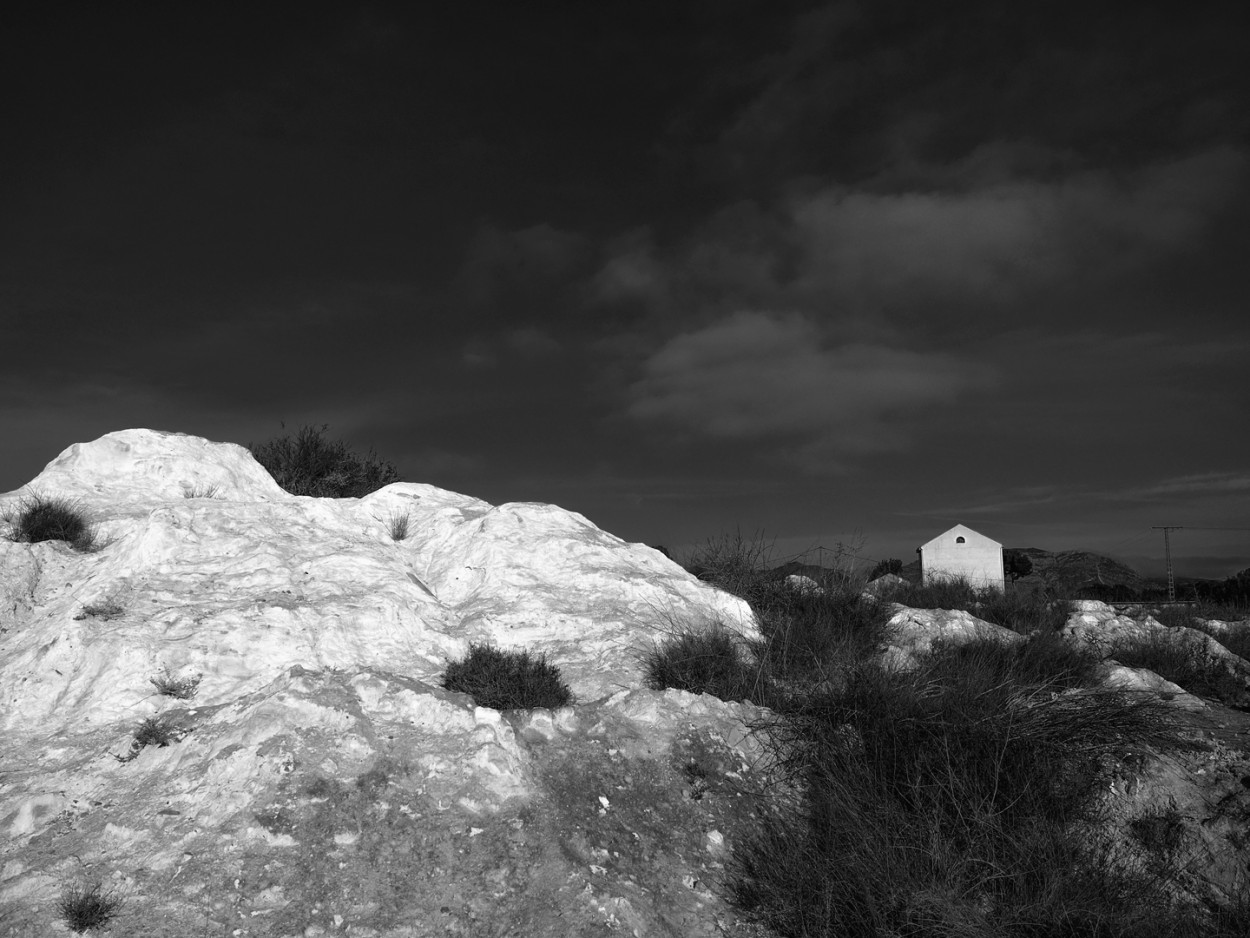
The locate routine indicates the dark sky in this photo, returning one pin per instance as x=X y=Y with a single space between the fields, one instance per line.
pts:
x=811 y=269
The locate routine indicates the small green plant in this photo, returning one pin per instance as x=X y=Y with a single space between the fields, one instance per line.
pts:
x=106 y=609
x=85 y=907
x=201 y=491
x=399 y=526
x=182 y=688
x=507 y=680
x=41 y=518
x=153 y=732
x=309 y=464
x=703 y=661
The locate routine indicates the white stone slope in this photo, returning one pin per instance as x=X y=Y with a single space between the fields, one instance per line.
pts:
x=319 y=643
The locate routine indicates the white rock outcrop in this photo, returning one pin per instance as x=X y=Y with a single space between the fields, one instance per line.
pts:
x=1098 y=626
x=321 y=780
x=913 y=633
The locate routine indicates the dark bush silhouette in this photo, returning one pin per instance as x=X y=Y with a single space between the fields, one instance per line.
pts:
x=51 y=519
x=84 y=907
x=309 y=464
x=507 y=680
x=152 y=732
x=703 y=661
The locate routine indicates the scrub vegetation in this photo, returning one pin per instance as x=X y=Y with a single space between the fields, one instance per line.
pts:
x=86 y=907
x=47 y=518
x=958 y=798
x=310 y=464
x=1022 y=611
x=507 y=680
x=181 y=688
x=1167 y=655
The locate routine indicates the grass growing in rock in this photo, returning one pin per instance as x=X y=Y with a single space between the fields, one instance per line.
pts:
x=954 y=799
x=151 y=732
x=398 y=524
x=86 y=907
x=309 y=464
x=704 y=661
x=507 y=680
x=1022 y=611
x=107 y=609
x=181 y=688
x=1235 y=636
x=1169 y=656
x=43 y=518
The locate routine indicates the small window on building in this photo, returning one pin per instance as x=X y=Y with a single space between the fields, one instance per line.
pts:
x=960 y=539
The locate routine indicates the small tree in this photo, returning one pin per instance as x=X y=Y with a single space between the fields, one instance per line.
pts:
x=1016 y=564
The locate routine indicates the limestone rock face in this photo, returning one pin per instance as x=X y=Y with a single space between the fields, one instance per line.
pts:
x=320 y=780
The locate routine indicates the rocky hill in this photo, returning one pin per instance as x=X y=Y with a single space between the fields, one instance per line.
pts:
x=230 y=714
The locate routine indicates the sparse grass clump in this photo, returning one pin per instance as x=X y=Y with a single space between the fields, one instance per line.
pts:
x=200 y=490
x=41 y=518
x=1019 y=610
x=1236 y=640
x=704 y=661
x=86 y=907
x=106 y=609
x=507 y=680
x=943 y=593
x=1167 y=655
x=735 y=565
x=1044 y=659
x=398 y=525
x=309 y=464
x=153 y=732
x=1024 y=611
x=181 y=688
x=810 y=636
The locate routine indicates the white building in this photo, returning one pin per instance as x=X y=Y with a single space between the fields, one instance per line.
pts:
x=962 y=552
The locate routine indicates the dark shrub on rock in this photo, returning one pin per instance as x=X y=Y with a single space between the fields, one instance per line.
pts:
x=507 y=680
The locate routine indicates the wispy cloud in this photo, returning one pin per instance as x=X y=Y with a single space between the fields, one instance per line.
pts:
x=1198 y=484
x=755 y=375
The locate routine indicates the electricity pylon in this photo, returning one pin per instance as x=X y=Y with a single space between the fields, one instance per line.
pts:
x=1167 y=552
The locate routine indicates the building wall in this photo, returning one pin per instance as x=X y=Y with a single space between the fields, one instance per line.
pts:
x=978 y=559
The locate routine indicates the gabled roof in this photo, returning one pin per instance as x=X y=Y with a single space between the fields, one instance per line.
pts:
x=956 y=531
